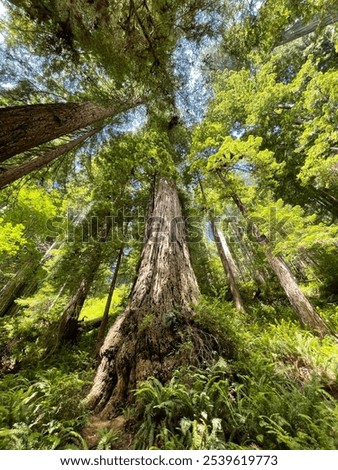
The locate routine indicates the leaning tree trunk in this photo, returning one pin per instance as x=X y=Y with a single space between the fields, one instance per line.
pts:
x=69 y=323
x=300 y=29
x=155 y=334
x=228 y=264
x=26 y=127
x=24 y=283
x=104 y=322
x=300 y=303
x=17 y=172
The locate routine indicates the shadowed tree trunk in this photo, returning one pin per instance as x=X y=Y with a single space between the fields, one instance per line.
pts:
x=300 y=303
x=104 y=322
x=69 y=323
x=26 y=127
x=228 y=265
x=23 y=284
x=155 y=334
x=15 y=173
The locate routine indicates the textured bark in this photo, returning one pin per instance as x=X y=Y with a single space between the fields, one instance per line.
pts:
x=299 y=29
x=13 y=174
x=300 y=303
x=306 y=312
x=69 y=323
x=155 y=334
x=21 y=285
x=68 y=329
x=26 y=127
x=228 y=264
x=104 y=322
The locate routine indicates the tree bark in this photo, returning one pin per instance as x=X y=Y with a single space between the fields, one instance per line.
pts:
x=26 y=127
x=299 y=29
x=69 y=323
x=13 y=174
x=155 y=334
x=104 y=322
x=300 y=303
x=228 y=265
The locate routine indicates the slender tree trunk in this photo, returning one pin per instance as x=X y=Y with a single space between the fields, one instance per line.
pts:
x=155 y=334
x=104 y=322
x=69 y=323
x=24 y=283
x=68 y=329
x=300 y=303
x=300 y=29
x=26 y=127
x=228 y=265
x=13 y=174
x=16 y=288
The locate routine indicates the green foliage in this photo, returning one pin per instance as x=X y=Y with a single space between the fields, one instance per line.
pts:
x=273 y=394
x=33 y=415
x=11 y=237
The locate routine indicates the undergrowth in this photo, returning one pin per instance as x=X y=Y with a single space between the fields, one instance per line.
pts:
x=272 y=385
x=274 y=388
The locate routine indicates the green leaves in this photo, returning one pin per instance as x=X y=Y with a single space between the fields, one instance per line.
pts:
x=11 y=237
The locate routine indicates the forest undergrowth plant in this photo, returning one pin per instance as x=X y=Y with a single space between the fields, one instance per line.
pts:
x=274 y=393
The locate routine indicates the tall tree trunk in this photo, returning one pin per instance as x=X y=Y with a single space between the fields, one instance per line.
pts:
x=69 y=323
x=228 y=265
x=300 y=303
x=26 y=127
x=104 y=322
x=15 y=173
x=155 y=334
x=24 y=283
x=251 y=265
x=16 y=288
x=300 y=29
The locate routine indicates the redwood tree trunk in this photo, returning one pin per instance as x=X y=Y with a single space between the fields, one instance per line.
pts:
x=22 y=284
x=69 y=323
x=228 y=265
x=26 y=127
x=155 y=334
x=300 y=303
x=104 y=322
x=15 y=173
x=300 y=29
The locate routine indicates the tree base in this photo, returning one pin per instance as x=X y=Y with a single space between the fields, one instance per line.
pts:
x=140 y=346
